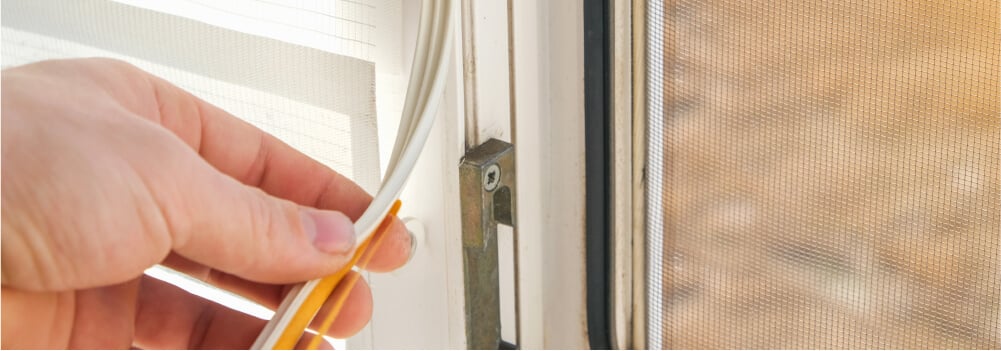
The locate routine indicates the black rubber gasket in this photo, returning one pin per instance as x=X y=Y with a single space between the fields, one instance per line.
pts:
x=597 y=148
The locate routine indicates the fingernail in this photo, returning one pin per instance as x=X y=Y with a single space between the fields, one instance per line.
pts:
x=415 y=230
x=413 y=246
x=331 y=231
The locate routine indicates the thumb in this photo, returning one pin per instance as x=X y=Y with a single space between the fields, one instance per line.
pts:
x=80 y=222
x=246 y=232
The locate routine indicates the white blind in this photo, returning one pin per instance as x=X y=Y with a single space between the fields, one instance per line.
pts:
x=300 y=70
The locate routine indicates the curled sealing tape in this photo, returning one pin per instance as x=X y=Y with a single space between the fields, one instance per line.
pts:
x=424 y=93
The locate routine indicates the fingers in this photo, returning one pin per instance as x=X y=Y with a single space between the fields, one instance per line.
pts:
x=355 y=312
x=303 y=343
x=235 y=220
x=102 y=317
x=262 y=161
x=268 y=295
x=258 y=159
x=170 y=318
x=43 y=321
x=390 y=255
x=394 y=250
x=216 y=221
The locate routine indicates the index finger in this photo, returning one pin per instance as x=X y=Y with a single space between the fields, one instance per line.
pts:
x=253 y=157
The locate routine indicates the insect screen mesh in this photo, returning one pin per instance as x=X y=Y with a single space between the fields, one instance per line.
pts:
x=824 y=174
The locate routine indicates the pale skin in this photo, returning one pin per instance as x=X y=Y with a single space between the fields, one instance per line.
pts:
x=108 y=170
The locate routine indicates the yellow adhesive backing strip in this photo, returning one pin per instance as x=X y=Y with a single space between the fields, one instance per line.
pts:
x=297 y=326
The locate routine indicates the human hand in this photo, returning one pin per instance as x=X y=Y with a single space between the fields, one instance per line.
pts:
x=108 y=170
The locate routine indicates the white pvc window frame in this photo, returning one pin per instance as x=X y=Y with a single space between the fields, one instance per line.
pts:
x=516 y=75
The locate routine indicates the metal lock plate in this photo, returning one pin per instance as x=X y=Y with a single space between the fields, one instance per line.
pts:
x=487 y=188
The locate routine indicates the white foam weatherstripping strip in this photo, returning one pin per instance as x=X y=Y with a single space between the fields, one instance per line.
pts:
x=424 y=93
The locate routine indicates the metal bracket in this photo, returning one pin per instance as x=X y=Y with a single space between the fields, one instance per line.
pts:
x=487 y=188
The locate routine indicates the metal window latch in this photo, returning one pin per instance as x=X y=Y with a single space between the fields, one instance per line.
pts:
x=487 y=192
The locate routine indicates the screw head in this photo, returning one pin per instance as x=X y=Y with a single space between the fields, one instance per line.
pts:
x=491 y=177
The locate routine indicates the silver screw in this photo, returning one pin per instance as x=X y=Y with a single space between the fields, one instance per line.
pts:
x=491 y=177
